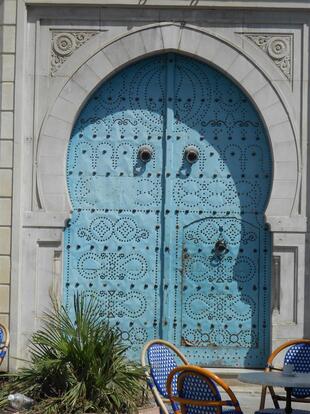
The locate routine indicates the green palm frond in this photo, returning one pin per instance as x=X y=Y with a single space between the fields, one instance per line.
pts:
x=77 y=366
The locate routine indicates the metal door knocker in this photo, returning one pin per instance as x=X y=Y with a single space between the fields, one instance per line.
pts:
x=145 y=153
x=220 y=248
x=191 y=154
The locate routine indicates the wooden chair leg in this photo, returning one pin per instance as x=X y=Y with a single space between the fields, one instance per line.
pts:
x=159 y=401
x=263 y=397
x=274 y=398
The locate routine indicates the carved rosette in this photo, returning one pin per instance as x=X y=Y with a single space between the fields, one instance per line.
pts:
x=278 y=47
x=64 y=44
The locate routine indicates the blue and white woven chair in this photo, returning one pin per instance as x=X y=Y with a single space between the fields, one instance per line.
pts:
x=4 y=341
x=159 y=358
x=297 y=352
x=197 y=392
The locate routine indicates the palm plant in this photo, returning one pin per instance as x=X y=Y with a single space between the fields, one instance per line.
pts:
x=77 y=366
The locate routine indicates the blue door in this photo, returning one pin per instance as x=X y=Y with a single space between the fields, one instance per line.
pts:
x=169 y=173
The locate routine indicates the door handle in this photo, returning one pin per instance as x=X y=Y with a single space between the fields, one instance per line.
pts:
x=186 y=342
x=220 y=248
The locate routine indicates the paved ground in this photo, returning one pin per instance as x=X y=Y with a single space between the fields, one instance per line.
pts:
x=248 y=396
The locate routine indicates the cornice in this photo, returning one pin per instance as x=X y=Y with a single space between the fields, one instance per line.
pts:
x=190 y=4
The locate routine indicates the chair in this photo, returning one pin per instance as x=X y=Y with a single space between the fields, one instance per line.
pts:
x=197 y=392
x=160 y=357
x=297 y=352
x=4 y=341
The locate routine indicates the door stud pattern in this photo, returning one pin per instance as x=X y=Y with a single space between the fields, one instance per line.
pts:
x=113 y=238
x=221 y=305
x=169 y=173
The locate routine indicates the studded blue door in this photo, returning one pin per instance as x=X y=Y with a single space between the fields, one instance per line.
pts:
x=169 y=173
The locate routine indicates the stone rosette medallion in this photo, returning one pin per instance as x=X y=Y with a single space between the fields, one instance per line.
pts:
x=64 y=44
x=278 y=47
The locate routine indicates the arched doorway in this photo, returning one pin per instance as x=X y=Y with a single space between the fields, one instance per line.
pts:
x=169 y=172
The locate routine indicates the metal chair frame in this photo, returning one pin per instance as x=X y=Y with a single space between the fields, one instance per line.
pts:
x=5 y=345
x=269 y=367
x=206 y=375
x=161 y=401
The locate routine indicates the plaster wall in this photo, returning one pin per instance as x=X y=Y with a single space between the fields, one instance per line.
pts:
x=63 y=52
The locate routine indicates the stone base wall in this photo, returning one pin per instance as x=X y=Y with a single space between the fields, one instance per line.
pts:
x=7 y=78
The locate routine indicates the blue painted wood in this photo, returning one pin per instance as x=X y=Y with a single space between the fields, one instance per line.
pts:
x=145 y=237
x=114 y=239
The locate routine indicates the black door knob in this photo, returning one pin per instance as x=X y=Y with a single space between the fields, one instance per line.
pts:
x=191 y=154
x=220 y=248
x=145 y=153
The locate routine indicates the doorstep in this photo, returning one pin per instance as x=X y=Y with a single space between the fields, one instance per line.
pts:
x=232 y=372
x=230 y=376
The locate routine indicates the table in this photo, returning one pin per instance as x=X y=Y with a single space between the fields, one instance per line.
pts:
x=277 y=379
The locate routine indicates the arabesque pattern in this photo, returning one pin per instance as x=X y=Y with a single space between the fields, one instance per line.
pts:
x=143 y=234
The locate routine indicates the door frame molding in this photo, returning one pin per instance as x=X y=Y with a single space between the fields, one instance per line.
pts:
x=85 y=71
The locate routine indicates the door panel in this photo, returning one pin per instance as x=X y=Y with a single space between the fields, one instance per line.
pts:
x=220 y=293
x=220 y=306
x=144 y=236
x=113 y=241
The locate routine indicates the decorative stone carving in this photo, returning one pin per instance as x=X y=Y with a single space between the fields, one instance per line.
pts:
x=64 y=44
x=278 y=48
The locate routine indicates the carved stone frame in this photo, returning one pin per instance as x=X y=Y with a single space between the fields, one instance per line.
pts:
x=76 y=81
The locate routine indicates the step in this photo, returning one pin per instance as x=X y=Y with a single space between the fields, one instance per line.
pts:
x=230 y=376
x=232 y=372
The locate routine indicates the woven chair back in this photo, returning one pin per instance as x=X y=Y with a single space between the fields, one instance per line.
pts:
x=193 y=386
x=161 y=361
x=299 y=356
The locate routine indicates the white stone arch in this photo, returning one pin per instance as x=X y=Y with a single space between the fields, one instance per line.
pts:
x=75 y=89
